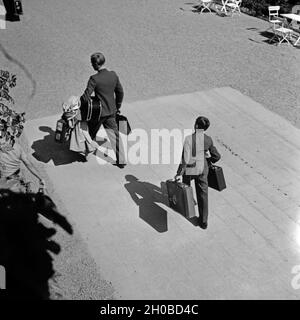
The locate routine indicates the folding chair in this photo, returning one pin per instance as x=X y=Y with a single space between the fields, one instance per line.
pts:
x=205 y=4
x=283 y=34
x=298 y=39
x=224 y=3
x=234 y=6
x=273 y=16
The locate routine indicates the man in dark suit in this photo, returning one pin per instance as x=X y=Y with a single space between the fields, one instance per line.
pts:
x=195 y=167
x=109 y=91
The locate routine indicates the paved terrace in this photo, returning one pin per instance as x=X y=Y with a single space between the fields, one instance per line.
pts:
x=148 y=251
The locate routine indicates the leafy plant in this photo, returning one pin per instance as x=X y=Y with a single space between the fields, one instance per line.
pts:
x=260 y=7
x=7 y=81
x=11 y=122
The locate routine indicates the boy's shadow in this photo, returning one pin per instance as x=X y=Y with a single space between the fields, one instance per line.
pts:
x=48 y=149
x=146 y=196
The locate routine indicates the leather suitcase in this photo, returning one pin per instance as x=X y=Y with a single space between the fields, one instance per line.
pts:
x=181 y=198
x=216 y=178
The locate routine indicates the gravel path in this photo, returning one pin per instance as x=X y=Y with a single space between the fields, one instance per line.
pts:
x=157 y=47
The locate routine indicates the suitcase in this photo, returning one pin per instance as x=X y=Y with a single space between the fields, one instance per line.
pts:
x=123 y=124
x=216 y=178
x=181 y=198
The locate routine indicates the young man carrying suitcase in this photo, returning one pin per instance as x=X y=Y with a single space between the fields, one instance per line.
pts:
x=109 y=91
x=198 y=149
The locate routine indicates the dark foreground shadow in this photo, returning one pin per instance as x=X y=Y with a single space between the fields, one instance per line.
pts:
x=26 y=245
x=146 y=196
x=48 y=149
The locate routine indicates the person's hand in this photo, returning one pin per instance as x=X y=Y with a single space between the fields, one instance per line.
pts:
x=177 y=177
x=42 y=183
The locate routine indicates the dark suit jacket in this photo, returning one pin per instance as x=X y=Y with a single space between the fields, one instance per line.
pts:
x=208 y=146
x=108 y=90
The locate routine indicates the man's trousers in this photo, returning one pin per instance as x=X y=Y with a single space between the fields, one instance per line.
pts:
x=111 y=127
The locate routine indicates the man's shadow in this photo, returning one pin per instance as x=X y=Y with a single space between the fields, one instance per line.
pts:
x=146 y=196
x=48 y=149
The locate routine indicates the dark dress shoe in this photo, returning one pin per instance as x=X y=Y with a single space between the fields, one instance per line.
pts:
x=120 y=165
x=203 y=225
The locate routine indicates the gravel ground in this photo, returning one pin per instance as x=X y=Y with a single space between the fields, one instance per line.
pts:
x=158 y=48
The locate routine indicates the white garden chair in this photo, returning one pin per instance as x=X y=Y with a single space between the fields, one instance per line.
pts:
x=205 y=4
x=273 y=16
x=283 y=34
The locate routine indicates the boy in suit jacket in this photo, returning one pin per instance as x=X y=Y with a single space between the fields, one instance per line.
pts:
x=198 y=149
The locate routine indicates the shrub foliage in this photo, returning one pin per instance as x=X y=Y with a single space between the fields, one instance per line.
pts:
x=260 y=7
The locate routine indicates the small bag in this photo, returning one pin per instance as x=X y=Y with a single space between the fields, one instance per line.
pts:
x=123 y=124
x=62 y=132
x=216 y=178
x=66 y=123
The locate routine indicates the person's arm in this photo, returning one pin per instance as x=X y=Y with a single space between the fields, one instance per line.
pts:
x=119 y=94
x=30 y=166
x=214 y=154
x=89 y=88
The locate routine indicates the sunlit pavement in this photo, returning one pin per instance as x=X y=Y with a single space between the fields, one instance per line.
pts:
x=147 y=250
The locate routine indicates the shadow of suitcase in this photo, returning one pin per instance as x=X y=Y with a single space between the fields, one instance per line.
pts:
x=181 y=198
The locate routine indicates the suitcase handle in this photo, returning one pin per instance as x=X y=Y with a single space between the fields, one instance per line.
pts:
x=176 y=178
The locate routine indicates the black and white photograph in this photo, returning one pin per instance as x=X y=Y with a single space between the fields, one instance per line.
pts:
x=150 y=150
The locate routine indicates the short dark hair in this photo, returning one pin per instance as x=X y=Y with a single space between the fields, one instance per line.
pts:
x=202 y=123
x=97 y=59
